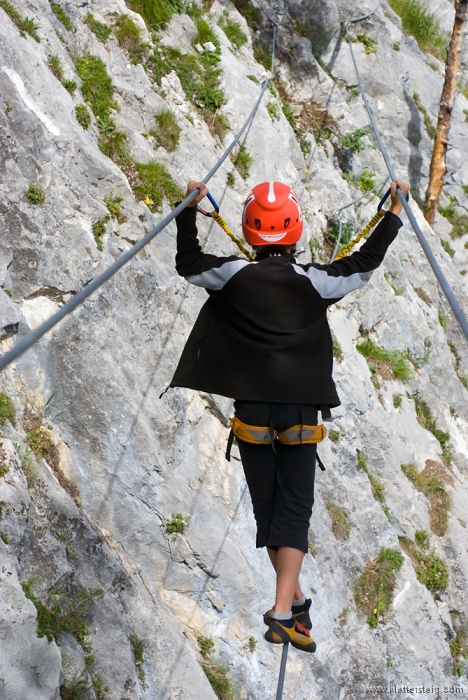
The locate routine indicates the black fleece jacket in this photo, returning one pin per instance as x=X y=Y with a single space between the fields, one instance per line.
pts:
x=263 y=334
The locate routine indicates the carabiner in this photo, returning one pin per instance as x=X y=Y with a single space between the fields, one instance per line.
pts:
x=213 y=202
x=385 y=197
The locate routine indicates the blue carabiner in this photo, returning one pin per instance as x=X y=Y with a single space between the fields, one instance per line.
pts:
x=385 y=197
x=213 y=202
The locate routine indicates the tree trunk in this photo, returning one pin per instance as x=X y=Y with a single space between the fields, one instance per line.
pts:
x=438 y=167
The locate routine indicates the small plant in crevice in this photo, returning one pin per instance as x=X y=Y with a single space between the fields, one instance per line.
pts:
x=274 y=111
x=422 y=294
x=233 y=31
x=397 y=400
x=62 y=16
x=242 y=161
x=167 y=132
x=430 y=128
x=156 y=14
x=138 y=651
x=361 y=461
x=370 y=45
x=56 y=67
x=337 y=351
x=334 y=435
x=442 y=319
x=343 y=616
x=77 y=687
x=69 y=85
x=373 y=590
x=339 y=517
x=459 y=651
x=459 y=221
x=100 y=30
x=25 y=25
x=7 y=409
x=389 y=364
x=99 y=229
x=176 y=525
x=430 y=483
x=113 y=204
x=431 y=571
x=366 y=180
x=425 y=419
x=215 y=672
x=252 y=644
x=447 y=247
x=83 y=116
x=128 y=35
x=35 y=194
x=27 y=464
x=231 y=180
x=353 y=140
x=219 y=125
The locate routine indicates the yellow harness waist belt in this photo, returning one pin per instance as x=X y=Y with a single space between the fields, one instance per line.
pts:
x=295 y=435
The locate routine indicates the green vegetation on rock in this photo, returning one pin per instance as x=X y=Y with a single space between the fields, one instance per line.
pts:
x=7 y=409
x=167 y=132
x=373 y=591
x=83 y=116
x=26 y=25
x=100 y=30
x=418 y=21
x=390 y=360
x=432 y=485
x=35 y=194
x=62 y=16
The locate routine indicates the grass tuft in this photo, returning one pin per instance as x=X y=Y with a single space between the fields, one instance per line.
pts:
x=155 y=184
x=431 y=484
x=431 y=571
x=7 y=409
x=459 y=221
x=373 y=591
x=97 y=86
x=156 y=13
x=418 y=21
x=62 y=16
x=392 y=360
x=129 y=37
x=339 y=517
x=138 y=651
x=167 y=132
x=56 y=67
x=83 y=116
x=100 y=30
x=243 y=160
x=397 y=400
x=35 y=194
x=26 y=25
x=233 y=31
x=99 y=229
x=425 y=418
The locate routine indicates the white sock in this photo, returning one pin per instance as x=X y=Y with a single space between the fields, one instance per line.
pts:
x=281 y=616
x=301 y=601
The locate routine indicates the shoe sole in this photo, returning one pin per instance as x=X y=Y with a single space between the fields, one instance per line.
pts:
x=280 y=636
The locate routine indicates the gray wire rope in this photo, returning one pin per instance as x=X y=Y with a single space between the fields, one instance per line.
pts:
x=35 y=335
x=282 y=673
x=369 y=14
x=456 y=308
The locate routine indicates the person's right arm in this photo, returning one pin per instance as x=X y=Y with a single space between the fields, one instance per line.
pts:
x=199 y=268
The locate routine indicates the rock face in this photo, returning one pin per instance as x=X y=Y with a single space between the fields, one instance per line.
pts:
x=133 y=460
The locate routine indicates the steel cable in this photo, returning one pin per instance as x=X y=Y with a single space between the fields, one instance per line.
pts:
x=456 y=308
x=35 y=335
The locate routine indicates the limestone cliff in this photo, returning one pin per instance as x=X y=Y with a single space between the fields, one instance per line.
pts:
x=96 y=468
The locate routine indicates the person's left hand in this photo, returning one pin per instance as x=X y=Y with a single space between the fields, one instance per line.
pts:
x=193 y=185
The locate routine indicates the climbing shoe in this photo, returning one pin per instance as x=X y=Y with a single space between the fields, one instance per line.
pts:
x=297 y=635
x=300 y=614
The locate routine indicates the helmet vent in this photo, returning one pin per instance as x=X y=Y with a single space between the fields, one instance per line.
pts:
x=258 y=224
x=287 y=222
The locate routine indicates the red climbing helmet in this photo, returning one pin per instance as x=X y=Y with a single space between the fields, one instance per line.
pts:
x=272 y=215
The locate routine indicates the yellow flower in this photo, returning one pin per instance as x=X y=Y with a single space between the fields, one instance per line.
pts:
x=306 y=170
x=147 y=200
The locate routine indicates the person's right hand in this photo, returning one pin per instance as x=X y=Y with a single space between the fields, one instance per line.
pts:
x=193 y=185
x=396 y=206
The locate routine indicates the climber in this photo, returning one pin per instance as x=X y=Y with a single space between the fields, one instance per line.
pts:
x=262 y=338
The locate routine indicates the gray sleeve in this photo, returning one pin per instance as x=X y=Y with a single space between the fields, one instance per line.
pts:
x=216 y=277
x=331 y=286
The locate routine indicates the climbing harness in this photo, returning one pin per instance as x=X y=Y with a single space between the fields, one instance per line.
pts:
x=295 y=435
x=219 y=220
x=373 y=222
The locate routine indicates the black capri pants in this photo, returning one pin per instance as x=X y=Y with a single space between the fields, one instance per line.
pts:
x=280 y=481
